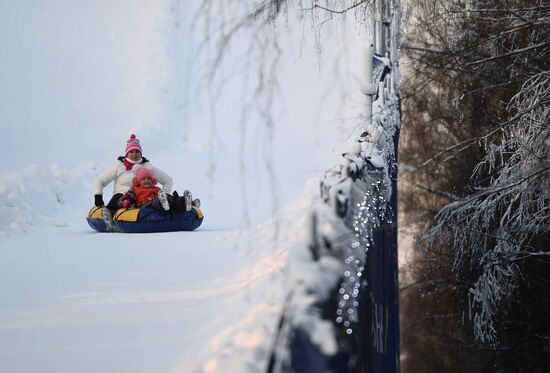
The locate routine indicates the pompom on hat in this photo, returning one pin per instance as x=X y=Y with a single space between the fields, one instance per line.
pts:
x=133 y=144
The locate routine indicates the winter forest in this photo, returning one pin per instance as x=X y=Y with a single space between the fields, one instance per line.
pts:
x=275 y=186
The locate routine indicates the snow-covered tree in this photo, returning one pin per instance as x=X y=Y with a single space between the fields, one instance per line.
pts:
x=482 y=74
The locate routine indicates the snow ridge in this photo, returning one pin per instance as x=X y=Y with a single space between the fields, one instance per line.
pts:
x=39 y=195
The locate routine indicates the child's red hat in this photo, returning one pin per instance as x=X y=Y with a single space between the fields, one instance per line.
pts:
x=144 y=172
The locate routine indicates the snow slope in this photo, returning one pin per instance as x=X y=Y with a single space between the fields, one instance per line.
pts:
x=74 y=299
x=75 y=81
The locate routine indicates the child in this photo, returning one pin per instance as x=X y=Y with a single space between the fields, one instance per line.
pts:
x=145 y=193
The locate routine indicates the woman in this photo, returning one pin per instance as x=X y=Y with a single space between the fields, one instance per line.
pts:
x=122 y=174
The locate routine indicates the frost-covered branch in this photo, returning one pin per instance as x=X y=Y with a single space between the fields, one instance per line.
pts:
x=517 y=51
x=491 y=63
x=430 y=189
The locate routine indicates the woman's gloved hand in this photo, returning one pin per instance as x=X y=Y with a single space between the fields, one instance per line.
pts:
x=99 y=200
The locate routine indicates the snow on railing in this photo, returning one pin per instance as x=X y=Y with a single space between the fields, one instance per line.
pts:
x=350 y=305
x=342 y=312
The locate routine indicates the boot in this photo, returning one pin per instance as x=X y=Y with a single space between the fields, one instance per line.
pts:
x=188 y=197
x=179 y=204
x=163 y=200
x=108 y=219
x=173 y=200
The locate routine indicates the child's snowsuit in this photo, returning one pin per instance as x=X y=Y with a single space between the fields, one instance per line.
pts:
x=138 y=196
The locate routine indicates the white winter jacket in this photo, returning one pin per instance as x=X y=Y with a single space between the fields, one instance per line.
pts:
x=123 y=178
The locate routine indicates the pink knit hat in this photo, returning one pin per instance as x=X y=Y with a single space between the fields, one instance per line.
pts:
x=144 y=172
x=133 y=144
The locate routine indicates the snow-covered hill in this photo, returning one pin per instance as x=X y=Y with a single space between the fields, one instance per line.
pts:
x=75 y=80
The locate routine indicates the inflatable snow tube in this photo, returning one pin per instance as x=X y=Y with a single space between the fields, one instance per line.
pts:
x=95 y=221
x=147 y=220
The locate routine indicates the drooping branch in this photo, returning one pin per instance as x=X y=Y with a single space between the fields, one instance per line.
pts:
x=340 y=11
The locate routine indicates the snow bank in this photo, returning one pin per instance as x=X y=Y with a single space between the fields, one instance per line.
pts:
x=42 y=195
x=246 y=344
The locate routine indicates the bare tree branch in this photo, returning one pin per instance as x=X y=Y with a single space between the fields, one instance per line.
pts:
x=342 y=11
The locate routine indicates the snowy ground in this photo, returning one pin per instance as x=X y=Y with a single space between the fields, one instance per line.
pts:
x=74 y=84
x=112 y=302
x=77 y=300
x=92 y=302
